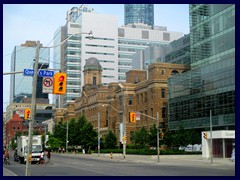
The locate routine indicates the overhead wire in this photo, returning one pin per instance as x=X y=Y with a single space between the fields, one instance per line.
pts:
x=41 y=51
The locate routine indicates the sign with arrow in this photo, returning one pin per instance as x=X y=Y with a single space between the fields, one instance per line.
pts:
x=47 y=85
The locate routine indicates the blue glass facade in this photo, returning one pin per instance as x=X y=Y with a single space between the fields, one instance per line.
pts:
x=139 y=13
x=23 y=58
x=210 y=85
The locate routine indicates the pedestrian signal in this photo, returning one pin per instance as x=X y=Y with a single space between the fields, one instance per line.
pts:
x=59 y=83
x=205 y=135
x=27 y=112
x=132 y=117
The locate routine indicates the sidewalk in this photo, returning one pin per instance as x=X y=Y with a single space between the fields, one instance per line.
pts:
x=193 y=160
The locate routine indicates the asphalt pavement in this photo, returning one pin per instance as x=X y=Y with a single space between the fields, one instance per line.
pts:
x=168 y=160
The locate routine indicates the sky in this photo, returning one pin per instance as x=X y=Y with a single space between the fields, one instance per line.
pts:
x=38 y=22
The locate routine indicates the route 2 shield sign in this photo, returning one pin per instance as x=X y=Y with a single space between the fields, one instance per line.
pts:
x=47 y=85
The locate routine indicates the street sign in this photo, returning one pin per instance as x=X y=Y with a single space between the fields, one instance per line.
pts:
x=28 y=72
x=47 y=85
x=138 y=116
x=45 y=73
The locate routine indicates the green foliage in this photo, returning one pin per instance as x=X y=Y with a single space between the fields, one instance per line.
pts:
x=153 y=135
x=80 y=133
x=54 y=142
x=141 y=137
x=110 y=141
x=146 y=151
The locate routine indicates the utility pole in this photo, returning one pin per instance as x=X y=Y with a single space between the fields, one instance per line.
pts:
x=124 y=126
x=33 y=111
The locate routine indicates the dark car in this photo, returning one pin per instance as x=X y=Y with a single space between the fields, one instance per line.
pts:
x=16 y=158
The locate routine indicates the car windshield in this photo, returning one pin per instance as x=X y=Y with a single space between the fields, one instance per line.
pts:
x=35 y=149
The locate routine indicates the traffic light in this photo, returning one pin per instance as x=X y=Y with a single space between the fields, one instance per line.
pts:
x=59 y=83
x=163 y=135
x=132 y=117
x=27 y=112
x=205 y=135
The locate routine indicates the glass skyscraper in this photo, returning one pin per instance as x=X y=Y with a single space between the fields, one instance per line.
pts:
x=210 y=85
x=139 y=13
x=23 y=58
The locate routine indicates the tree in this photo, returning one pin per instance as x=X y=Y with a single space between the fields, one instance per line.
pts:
x=54 y=142
x=141 y=138
x=90 y=137
x=180 y=137
x=153 y=135
x=78 y=128
x=60 y=132
x=72 y=133
x=169 y=138
x=194 y=136
x=110 y=141
x=14 y=140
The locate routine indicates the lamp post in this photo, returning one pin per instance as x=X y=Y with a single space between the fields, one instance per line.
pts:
x=66 y=134
x=124 y=121
x=33 y=101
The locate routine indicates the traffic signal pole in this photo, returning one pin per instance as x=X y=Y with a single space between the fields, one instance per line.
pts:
x=32 y=114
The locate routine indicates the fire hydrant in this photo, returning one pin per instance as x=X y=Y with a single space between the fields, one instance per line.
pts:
x=111 y=155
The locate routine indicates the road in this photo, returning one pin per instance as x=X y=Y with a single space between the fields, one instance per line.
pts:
x=74 y=165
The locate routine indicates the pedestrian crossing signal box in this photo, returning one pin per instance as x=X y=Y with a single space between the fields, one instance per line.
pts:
x=59 y=83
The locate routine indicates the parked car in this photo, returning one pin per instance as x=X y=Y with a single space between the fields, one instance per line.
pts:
x=16 y=158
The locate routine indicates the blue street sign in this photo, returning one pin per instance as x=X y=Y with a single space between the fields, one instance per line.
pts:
x=28 y=72
x=45 y=73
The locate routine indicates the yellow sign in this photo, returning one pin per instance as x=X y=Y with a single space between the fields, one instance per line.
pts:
x=124 y=138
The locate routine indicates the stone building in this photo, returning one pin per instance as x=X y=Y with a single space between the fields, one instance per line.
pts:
x=145 y=92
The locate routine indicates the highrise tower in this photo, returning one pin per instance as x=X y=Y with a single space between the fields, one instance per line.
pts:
x=139 y=13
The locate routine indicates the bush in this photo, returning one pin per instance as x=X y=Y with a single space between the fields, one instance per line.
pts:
x=146 y=151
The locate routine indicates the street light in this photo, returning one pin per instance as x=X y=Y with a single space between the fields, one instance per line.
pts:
x=124 y=122
x=33 y=101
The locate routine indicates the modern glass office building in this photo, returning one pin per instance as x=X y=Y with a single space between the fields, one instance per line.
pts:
x=23 y=58
x=210 y=85
x=139 y=13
